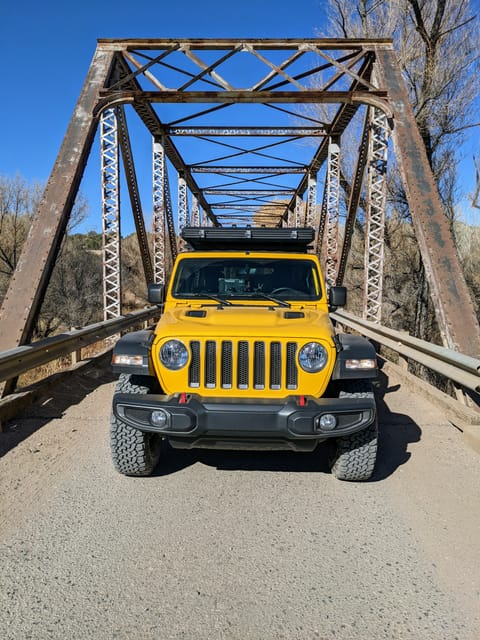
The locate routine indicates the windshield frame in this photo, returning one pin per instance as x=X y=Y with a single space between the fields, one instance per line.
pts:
x=258 y=272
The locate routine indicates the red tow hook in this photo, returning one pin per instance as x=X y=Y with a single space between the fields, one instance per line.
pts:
x=183 y=398
x=302 y=401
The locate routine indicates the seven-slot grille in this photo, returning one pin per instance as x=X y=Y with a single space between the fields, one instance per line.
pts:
x=243 y=364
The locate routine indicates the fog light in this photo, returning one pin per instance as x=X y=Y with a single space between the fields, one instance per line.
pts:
x=327 y=422
x=159 y=418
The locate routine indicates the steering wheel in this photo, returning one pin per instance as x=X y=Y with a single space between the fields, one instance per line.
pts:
x=282 y=290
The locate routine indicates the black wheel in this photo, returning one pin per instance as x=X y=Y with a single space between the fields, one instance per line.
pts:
x=134 y=452
x=353 y=457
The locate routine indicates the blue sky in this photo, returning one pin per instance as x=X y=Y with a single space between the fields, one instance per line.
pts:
x=46 y=49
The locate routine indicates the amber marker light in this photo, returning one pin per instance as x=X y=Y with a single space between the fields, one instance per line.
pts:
x=123 y=359
x=367 y=363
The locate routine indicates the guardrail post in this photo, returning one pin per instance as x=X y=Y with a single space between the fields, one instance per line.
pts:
x=402 y=360
x=77 y=354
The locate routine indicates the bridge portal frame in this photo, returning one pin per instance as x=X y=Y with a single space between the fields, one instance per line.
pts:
x=127 y=72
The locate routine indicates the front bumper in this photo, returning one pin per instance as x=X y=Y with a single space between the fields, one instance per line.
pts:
x=195 y=421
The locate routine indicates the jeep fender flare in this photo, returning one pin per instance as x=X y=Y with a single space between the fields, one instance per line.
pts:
x=353 y=347
x=136 y=343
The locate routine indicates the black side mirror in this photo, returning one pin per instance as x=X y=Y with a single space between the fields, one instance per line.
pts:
x=337 y=297
x=156 y=293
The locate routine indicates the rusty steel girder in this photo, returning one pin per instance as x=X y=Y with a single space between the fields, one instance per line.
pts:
x=454 y=308
x=28 y=285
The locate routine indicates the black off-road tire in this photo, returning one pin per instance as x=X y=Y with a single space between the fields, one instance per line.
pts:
x=353 y=457
x=134 y=452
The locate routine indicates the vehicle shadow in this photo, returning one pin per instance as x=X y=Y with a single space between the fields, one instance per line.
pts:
x=396 y=430
x=289 y=461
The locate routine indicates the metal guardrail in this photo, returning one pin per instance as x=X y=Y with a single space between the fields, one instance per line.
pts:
x=16 y=361
x=462 y=369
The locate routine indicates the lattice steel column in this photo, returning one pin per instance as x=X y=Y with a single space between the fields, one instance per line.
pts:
x=354 y=191
x=311 y=218
x=206 y=222
x=322 y=219
x=332 y=200
x=110 y=214
x=290 y=218
x=183 y=212
x=298 y=211
x=158 y=221
x=195 y=212
x=171 y=249
x=376 y=202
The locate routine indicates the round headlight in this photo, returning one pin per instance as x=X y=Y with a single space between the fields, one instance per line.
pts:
x=312 y=357
x=174 y=355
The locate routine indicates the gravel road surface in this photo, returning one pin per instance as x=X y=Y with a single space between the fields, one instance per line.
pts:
x=229 y=545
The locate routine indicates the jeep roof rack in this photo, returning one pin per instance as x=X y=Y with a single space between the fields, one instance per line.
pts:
x=248 y=238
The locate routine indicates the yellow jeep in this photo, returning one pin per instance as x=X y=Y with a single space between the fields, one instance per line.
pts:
x=245 y=356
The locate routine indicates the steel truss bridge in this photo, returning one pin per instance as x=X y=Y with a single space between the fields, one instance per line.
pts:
x=244 y=132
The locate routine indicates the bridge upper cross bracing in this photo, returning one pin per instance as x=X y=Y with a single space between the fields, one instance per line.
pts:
x=252 y=130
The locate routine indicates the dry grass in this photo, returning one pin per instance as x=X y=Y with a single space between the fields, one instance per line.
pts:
x=64 y=363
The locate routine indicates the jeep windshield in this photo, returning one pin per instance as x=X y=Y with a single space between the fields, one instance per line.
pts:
x=274 y=279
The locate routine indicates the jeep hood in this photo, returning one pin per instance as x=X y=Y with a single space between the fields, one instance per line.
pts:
x=246 y=321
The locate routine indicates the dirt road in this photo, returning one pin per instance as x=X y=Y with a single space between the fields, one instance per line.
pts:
x=236 y=545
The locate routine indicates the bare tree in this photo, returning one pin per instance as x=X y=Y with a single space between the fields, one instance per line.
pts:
x=16 y=213
x=74 y=295
x=468 y=243
x=476 y=194
x=18 y=203
x=438 y=48
x=134 y=287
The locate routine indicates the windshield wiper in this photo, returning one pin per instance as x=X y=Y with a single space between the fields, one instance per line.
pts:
x=242 y=296
x=221 y=301
x=203 y=294
x=265 y=296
